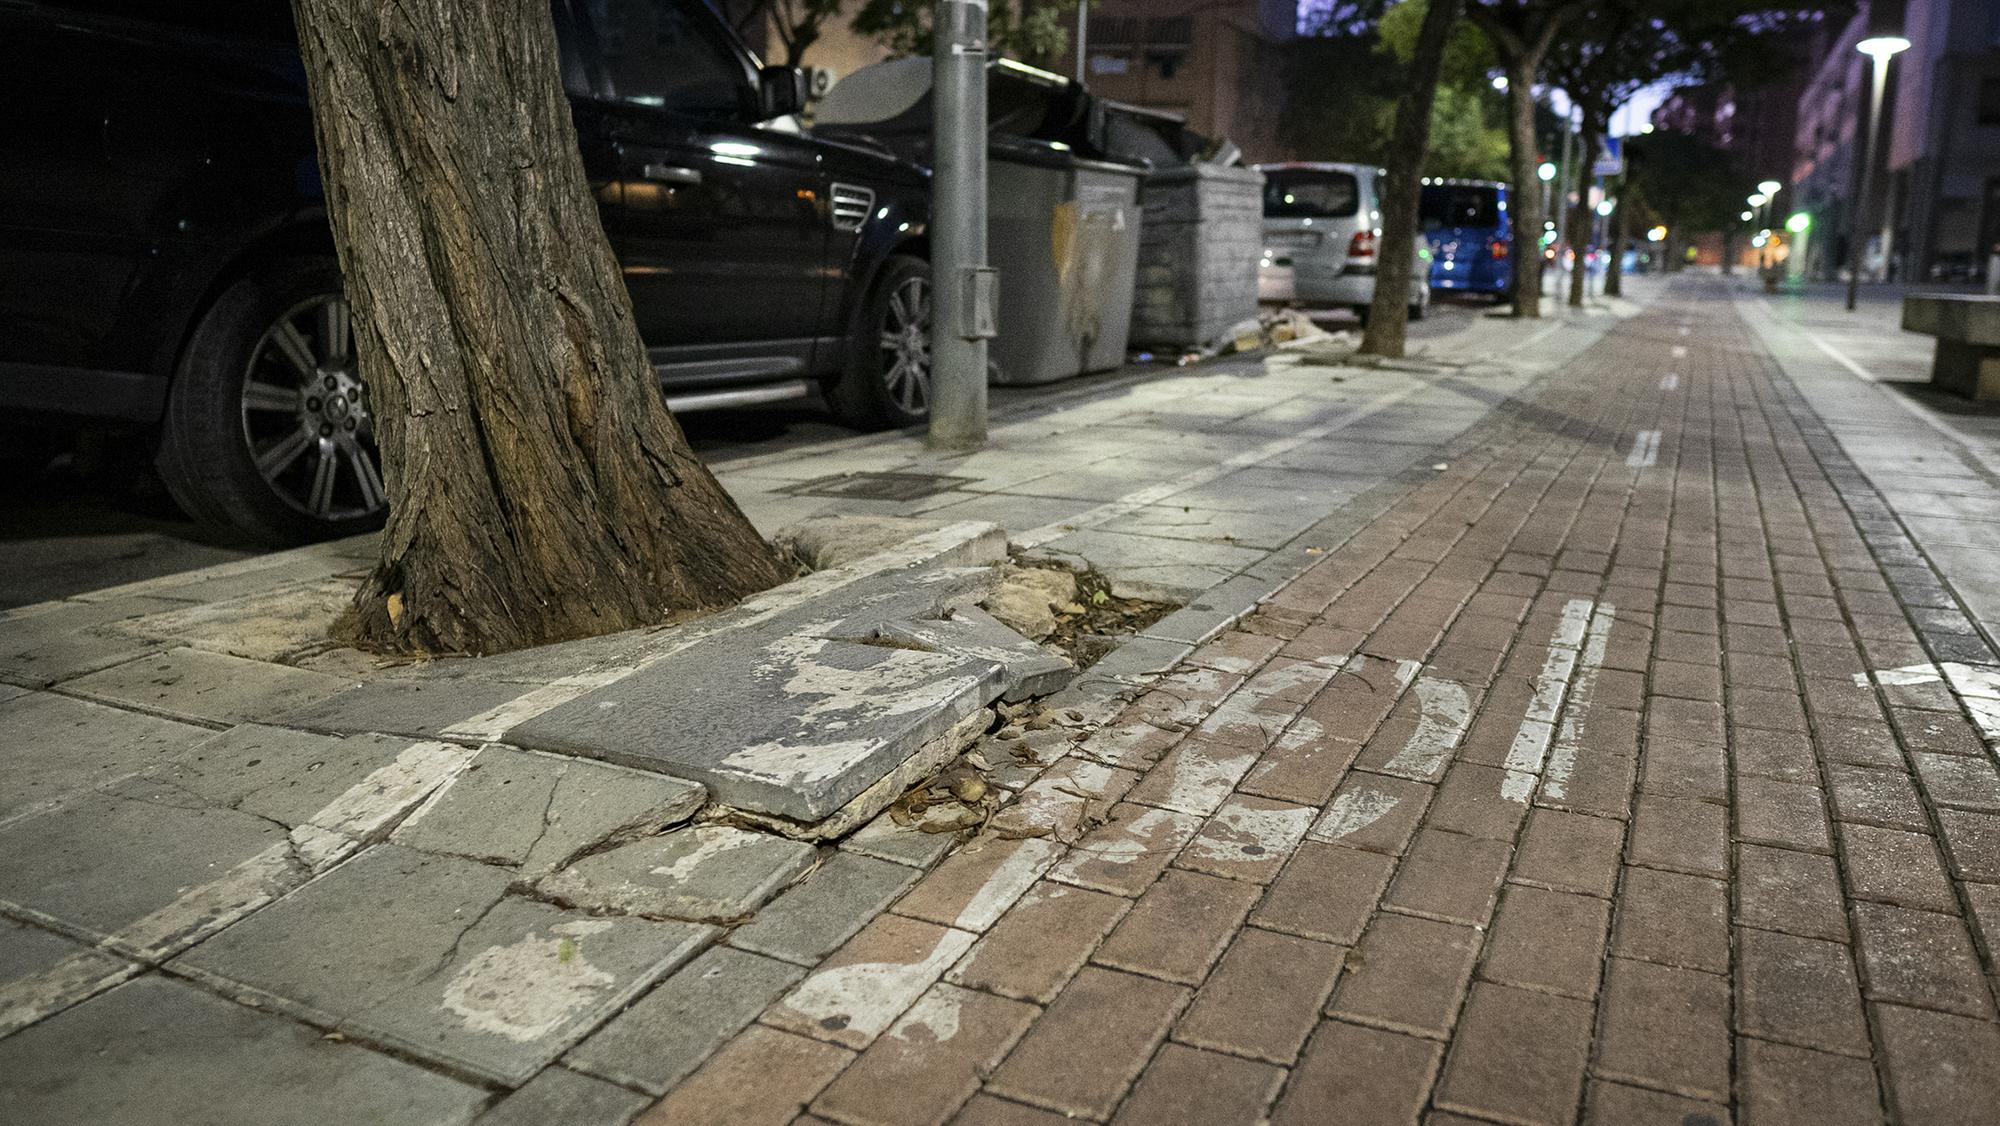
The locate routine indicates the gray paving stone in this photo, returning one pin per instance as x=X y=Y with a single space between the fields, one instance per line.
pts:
x=52 y=746
x=559 y=1095
x=143 y=865
x=1211 y=611
x=72 y=638
x=534 y=812
x=423 y=708
x=709 y=873
x=199 y=685
x=883 y=839
x=277 y=772
x=270 y=619
x=667 y=1033
x=429 y=954
x=157 y=1051
x=1152 y=567
x=42 y=973
x=1140 y=658
x=1209 y=525
x=1027 y=669
x=806 y=923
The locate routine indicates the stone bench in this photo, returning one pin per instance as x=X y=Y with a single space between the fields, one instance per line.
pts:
x=1967 y=327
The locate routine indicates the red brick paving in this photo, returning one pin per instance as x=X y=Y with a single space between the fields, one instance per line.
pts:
x=1677 y=865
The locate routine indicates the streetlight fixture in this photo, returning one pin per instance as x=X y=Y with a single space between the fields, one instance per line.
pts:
x=1547 y=171
x=1881 y=50
x=1770 y=188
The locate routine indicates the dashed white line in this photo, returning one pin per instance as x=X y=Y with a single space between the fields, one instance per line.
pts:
x=1679 y=351
x=1670 y=381
x=1645 y=449
x=1531 y=744
x=1569 y=737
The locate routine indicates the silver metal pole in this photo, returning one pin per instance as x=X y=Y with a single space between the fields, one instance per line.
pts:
x=1880 y=80
x=1082 y=34
x=964 y=287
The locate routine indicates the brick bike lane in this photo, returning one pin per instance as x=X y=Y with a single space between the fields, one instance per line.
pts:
x=1633 y=769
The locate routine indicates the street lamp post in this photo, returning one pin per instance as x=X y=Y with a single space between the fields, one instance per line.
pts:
x=962 y=285
x=1769 y=190
x=1880 y=49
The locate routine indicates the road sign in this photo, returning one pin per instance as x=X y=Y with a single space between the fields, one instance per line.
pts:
x=1610 y=158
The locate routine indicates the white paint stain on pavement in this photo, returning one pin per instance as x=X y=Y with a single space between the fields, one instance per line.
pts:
x=1977 y=686
x=529 y=989
x=1445 y=711
x=1570 y=734
x=1241 y=834
x=1531 y=744
x=1645 y=449
x=1679 y=350
x=1351 y=812
x=933 y=1019
x=859 y=1002
x=1670 y=381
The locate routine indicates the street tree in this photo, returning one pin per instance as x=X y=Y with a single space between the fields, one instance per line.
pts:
x=798 y=24
x=1035 y=31
x=1388 y=313
x=1520 y=32
x=539 y=489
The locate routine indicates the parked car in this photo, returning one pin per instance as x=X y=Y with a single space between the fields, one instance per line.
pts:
x=1322 y=227
x=1470 y=234
x=166 y=266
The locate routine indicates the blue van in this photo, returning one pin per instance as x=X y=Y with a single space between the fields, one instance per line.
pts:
x=1470 y=234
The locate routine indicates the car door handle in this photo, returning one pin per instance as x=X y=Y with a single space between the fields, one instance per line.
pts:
x=671 y=174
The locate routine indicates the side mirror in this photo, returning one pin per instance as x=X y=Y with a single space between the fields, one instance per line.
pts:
x=781 y=90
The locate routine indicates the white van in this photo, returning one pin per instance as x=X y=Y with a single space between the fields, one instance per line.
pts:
x=1322 y=227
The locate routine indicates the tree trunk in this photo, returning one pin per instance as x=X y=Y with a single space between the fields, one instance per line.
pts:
x=1578 y=235
x=1388 y=314
x=1525 y=193
x=1728 y=251
x=1614 y=268
x=539 y=489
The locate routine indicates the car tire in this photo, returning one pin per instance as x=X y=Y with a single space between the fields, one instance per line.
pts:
x=267 y=436
x=886 y=384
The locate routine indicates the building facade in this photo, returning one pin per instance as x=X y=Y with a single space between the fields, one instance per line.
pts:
x=1943 y=141
x=1218 y=63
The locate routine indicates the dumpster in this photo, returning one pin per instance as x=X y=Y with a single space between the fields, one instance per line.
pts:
x=1201 y=231
x=1063 y=222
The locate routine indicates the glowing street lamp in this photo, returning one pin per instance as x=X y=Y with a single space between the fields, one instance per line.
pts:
x=1605 y=207
x=1770 y=188
x=1799 y=223
x=1756 y=200
x=1881 y=50
x=1657 y=234
x=1747 y=216
x=1547 y=171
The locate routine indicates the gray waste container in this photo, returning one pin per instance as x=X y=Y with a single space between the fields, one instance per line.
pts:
x=1064 y=233
x=1063 y=226
x=1201 y=236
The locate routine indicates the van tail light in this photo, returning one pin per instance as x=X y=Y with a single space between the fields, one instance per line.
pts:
x=1363 y=245
x=1499 y=248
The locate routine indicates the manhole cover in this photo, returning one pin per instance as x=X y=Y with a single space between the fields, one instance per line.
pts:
x=878 y=486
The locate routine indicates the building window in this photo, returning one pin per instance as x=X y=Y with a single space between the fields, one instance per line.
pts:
x=1989 y=100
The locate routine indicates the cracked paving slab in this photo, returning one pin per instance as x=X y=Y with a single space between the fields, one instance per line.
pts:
x=430 y=955
x=533 y=812
x=98 y=744
x=708 y=873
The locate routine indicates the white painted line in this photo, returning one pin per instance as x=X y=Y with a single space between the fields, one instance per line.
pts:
x=1570 y=733
x=1977 y=687
x=1685 y=329
x=1645 y=449
x=1531 y=744
x=1670 y=381
x=372 y=807
x=1679 y=351
x=1446 y=711
x=72 y=980
x=1352 y=811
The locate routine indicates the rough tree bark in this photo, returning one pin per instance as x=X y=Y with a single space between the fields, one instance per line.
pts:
x=1409 y=144
x=1520 y=32
x=539 y=489
x=1589 y=135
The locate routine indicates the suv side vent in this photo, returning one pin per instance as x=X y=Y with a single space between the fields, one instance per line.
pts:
x=851 y=205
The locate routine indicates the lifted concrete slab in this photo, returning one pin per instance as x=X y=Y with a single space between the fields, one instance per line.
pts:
x=157 y=1050
x=429 y=954
x=533 y=812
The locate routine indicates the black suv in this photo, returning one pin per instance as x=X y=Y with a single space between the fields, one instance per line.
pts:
x=165 y=263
